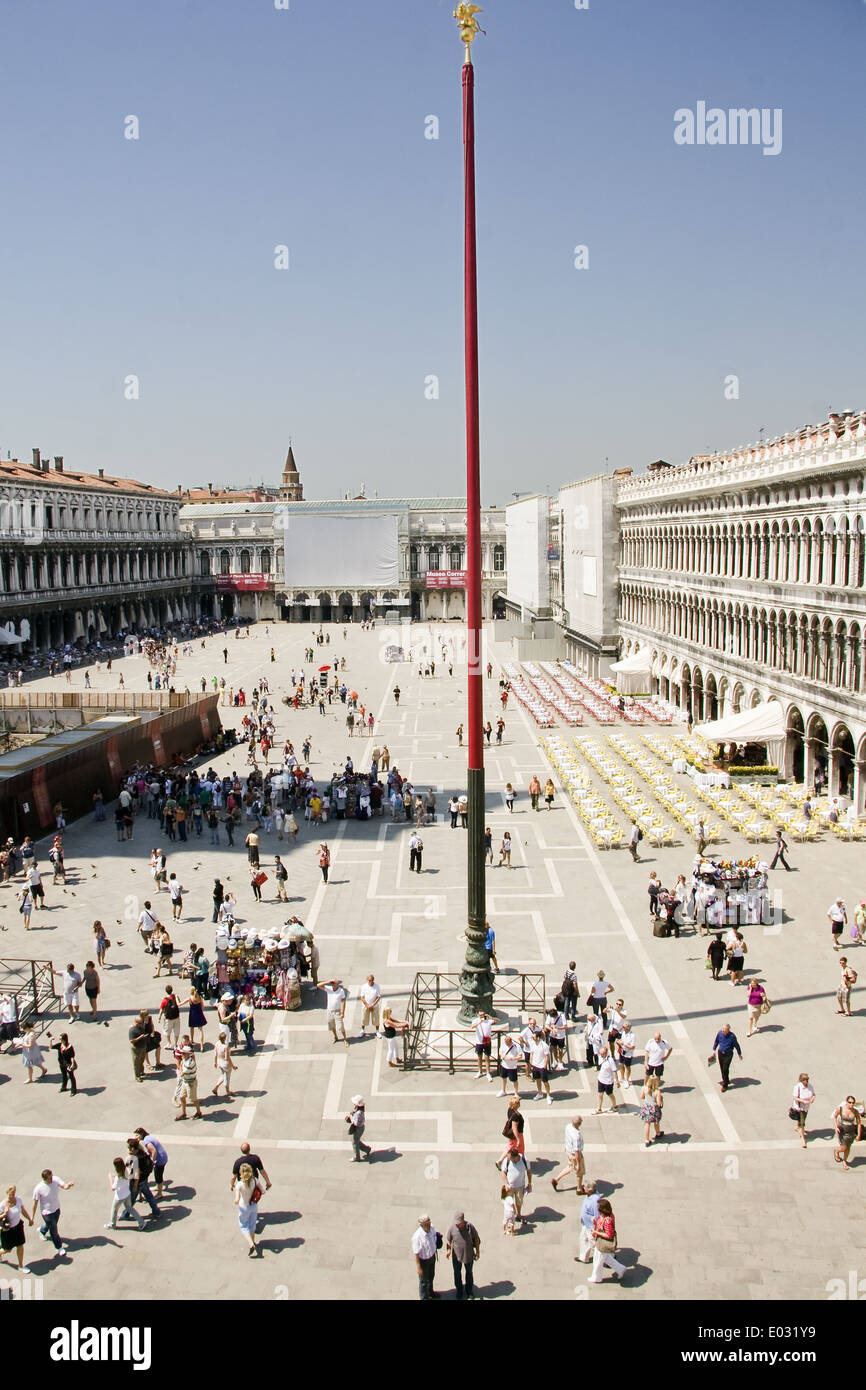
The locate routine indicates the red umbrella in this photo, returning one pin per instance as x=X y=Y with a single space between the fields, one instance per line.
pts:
x=324 y=668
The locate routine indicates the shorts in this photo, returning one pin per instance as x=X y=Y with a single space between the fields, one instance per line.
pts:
x=837 y=928
x=605 y=1088
x=158 y=1172
x=189 y=1089
x=71 y=999
x=92 y=993
x=483 y=1049
x=508 y=1073
x=655 y=1071
x=539 y=1073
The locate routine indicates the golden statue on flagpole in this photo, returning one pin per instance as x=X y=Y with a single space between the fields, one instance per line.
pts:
x=469 y=26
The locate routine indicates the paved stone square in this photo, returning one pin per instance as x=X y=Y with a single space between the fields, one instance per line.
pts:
x=727 y=1205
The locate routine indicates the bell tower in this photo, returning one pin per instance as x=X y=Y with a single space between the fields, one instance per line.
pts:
x=291 y=489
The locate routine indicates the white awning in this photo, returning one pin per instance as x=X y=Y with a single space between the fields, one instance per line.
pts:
x=633 y=674
x=764 y=724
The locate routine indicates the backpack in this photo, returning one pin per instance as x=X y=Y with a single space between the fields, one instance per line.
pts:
x=567 y=987
x=172 y=1008
x=145 y=1165
x=639 y=833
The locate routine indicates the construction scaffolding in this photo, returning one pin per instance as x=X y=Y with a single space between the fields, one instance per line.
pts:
x=31 y=985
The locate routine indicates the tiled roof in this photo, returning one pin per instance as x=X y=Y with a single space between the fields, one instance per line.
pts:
x=11 y=472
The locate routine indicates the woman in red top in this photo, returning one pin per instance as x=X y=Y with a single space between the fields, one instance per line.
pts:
x=604 y=1238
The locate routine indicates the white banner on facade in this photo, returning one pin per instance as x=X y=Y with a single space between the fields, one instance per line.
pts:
x=328 y=551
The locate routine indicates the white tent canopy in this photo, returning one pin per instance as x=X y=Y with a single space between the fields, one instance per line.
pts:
x=633 y=674
x=8 y=637
x=763 y=724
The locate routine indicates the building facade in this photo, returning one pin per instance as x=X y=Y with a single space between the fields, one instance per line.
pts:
x=84 y=556
x=340 y=559
x=744 y=573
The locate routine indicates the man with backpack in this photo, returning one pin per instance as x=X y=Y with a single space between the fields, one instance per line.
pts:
x=570 y=991
x=169 y=1016
x=634 y=840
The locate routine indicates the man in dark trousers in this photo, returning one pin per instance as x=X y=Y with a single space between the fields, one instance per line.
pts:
x=781 y=847
x=218 y=896
x=724 y=1047
x=462 y=1246
x=416 y=848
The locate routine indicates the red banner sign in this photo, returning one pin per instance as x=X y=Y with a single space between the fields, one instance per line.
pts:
x=445 y=579
x=243 y=583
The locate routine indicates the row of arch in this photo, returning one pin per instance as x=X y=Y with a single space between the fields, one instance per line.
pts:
x=35 y=571
x=801 y=644
x=817 y=753
x=821 y=550
x=246 y=561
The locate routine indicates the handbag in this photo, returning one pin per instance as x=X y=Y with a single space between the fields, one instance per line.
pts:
x=605 y=1244
x=256 y=1195
x=794 y=1115
x=766 y=1006
x=711 y=1059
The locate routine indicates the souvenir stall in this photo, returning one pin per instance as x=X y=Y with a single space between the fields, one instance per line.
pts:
x=732 y=892
x=266 y=967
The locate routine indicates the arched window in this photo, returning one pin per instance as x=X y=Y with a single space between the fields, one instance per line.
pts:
x=413 y=559
x=499 y=559
x=245 y=562
x=225 y=562
x=204 y=561
x=266 y=562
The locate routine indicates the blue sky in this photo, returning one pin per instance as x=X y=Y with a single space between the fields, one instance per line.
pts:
x=306 y=127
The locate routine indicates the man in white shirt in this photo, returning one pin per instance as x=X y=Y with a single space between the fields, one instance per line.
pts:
x=483 y=1044
x=656 y=1053
x=147 y=923
x=46 y=1198
x=554 y=1029
x=509 y=1061
x=71 y=985
x=594 y=1038
x=838 y=916
x=335 y=1003
x=527 y=1039
x=370 y=994
x=626 y=1045
x=540 y=1058
x=606 y=1079
x=424 y=1247
x=573 y=1155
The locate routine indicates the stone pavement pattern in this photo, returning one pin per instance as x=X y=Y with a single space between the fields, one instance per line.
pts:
x=727 y=1205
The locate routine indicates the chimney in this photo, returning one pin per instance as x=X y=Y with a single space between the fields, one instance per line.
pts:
x=46 y=466
x=210 y=488
x=102 y=472
x=58 y=463
x=37 y=459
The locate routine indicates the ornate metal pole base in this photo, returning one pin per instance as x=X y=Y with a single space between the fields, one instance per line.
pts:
x=476 y=978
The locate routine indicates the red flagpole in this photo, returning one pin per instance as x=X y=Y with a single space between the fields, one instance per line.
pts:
x=473 y=457
x=476 y=980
